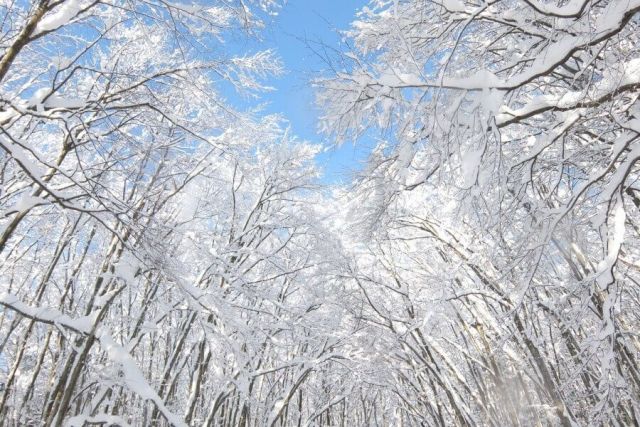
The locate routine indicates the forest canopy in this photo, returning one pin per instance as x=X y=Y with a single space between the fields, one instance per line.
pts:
x=169 y=257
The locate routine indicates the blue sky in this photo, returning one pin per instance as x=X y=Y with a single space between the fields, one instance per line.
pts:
x=315 y=21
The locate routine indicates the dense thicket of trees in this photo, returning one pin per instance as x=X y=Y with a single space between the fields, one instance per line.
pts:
x=166 y=259
x=501 y=248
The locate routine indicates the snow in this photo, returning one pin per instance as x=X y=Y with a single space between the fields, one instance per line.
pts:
x=258 y=273
x=483 y=79
x=126 y=268
x=616 y=238
x=568 y=9
x=492 y=99
x=27 y=202
x=405 y=154
x=37 y=98
x=54 y=100
x=277 y=407
x=47 y=315
x=454 y=5
x=632 y=72
x=7 y=116
x=617 y=179
x=102 y=300
x=61 y=16
x=470 y=166
x=275 y=412
x=102 y=419
x=134 y=378
x=18 y=153
x=57 y=101
x=395 y=79
x=189 y=203
x=608 y=22
x=571 y=99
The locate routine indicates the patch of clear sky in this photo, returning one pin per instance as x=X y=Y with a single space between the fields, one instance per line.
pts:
x=299 y=34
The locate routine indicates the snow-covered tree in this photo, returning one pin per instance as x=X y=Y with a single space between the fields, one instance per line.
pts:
x=161 y=262
x=505 y=190
x=168 y=258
